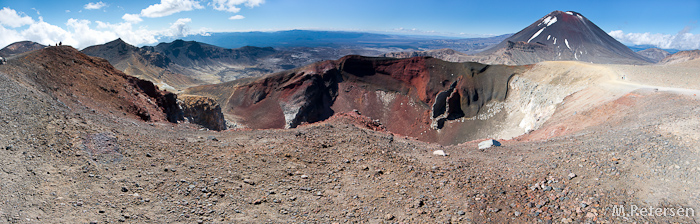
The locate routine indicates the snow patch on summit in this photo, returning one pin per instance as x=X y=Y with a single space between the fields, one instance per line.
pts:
x=536 y=34
x=570 y=13
x=546 y=20
x=550 y=20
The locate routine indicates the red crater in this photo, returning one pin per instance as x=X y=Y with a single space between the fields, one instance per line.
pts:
x=416 y=97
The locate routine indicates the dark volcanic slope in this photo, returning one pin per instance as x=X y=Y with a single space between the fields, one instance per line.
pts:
x=142 y=63
x=191 y=53
x=213 y=64
x=562 y=36
x=20 y=47
x=413 y=97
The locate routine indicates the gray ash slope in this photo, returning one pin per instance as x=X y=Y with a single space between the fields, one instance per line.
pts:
x=561 y=36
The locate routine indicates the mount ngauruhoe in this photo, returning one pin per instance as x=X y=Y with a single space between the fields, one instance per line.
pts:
x=558 y=36
x=561 y=36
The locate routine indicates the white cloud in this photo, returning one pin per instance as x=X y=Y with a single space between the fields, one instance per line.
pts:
x=169 y=7
x=95 y=5
x=11 y=18
x=179 y=28
x=236 y=17
x=84 y=33
x=47 y=34
x=232 y=5
x=84 y=36
x=682 y=40
x=132 y=18
x=9 y=36
x=129 y=35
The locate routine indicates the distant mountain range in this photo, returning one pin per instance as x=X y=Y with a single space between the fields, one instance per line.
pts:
x=181 y=64
x=344 y=40
x=143 y=63
x=638 y=48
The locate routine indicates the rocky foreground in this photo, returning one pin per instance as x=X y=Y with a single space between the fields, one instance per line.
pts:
x=61 y=162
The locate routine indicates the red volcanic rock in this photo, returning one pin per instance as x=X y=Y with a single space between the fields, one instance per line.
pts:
x=413 y=97
x=80 y=80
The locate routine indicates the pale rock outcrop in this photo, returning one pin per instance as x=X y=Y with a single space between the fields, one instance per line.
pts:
x=203 y=111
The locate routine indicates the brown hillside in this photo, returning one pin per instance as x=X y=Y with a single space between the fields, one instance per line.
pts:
x=79 y=80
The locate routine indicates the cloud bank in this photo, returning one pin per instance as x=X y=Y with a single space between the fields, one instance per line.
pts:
x=683 y=40
x=81 y=33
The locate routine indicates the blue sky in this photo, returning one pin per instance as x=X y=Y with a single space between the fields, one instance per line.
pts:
x=81 y=23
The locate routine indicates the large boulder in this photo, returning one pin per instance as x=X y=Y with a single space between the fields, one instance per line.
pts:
x=203 y=111
x=488 y=144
